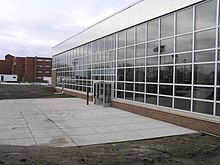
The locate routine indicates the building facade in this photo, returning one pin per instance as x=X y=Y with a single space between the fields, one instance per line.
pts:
x=161 y=57
x=27 y=69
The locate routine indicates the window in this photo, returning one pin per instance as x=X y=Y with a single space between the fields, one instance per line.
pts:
x=203 y=93
x=183 y=91
x=166 y=89
x=140 y=50
x=152 y=74
x=165 y=101
x=139 y=87
x=205 y=39
x=130 y=52
x=203 y=107
x=139 y=97
x=184 y=21
x=151 y=99
x=166 y=74
x=182 y=104
x=184 y=74
x=205 y=56
x=184 y=43
x=129 y=74
x=206 y=14
x=139 y=74
x=140 y=33
x=152 y=48
x=130 y=36
x=151 y=88
x=121 y=39
x=167 y=26
x=152 y=32
x=167 y=46
x=204 y=74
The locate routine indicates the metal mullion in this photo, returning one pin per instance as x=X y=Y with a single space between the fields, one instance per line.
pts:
x=158 y=62
x=145 y=58
x=174 y=61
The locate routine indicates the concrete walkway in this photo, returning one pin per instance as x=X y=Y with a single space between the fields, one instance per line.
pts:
x=70 y=122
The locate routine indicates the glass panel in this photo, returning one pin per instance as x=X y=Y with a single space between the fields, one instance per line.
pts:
x=206 y=14
x=184 y=21
x=130 y=36
x=167 y=26
x=120 y=94
x=121 y=39
x=140 y=50
x=121 y=54
x=120 y=86
x=184 y=74
x=128 y=96
x=184 y=43
x=139 y=74
x=203 y=107
x=166 y=89
x=205 y=39
x=140 y=33
x=130 y=52
x=183 y=58
x=139 y=87
x=129 y=74
x=140 y=62
x=182 y=104
x=152 y=74
x=120 y=74
x=151 y=88
x=218 y=74
x=203 y=93
x=204 y=74
x=218 y=94
x=166 y=59
x=167 y=46
x=218 y=109
x=152 y=48
x=139 y=97
x=165 y=101
x=129 y=63
x=205 y=56
x=166 y=74
x=152 y=61
x=121 y=63
x=182 y=91
x=152 y=32
x=129 y=86
x=150 y=99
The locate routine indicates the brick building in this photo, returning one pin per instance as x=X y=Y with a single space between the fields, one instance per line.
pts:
x=28 y=69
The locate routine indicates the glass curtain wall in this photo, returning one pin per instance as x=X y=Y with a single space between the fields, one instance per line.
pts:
x=171 y=61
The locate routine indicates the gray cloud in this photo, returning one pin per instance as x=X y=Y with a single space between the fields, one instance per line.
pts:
x=33 y=27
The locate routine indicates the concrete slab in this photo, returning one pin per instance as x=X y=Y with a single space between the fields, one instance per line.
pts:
x=64 y=122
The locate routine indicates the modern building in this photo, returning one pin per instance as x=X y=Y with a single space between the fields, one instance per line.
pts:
x=27 y=69
x=156 y=58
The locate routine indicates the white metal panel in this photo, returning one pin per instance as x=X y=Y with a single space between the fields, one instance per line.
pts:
x=138 y=13
x=9 y=78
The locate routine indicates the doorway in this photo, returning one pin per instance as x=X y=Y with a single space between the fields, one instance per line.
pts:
x=2 y=78
x=102 y=93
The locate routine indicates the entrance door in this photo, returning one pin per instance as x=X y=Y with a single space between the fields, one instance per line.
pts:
x=2 y=78
x=102 y=93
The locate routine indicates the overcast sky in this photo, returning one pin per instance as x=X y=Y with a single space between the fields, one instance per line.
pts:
x=33 y=27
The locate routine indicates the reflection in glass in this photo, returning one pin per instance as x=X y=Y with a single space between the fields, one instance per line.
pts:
x=121 y=54
x=206 y=14
x=205 y=56
x=128 y=96
x=183 y=58
x=166 y=46
x=152 y=32
x=218 y=77
x=139 y=87
x=204 y=74
x=184 y=21
x=139 y=97
x=152 y=48
x=140 y=62
x=203 y=107
x=139 y=74
x=166 y=74
x=152 y=61
x=166 y=89
x=165 y=101
x=150 y=99
x=120 y=94
x=203 y=93
x=182 y=91
x=140 y=33
x=129 y=86
x=130 y=52
x=152 y=74
x=167 y=26
x=218 y=94
x=129 y=63
x=166 y=59
x=121 y=63
x=130 y=36
x=205 y=39
x=120 y=86
x=120 y=75
x=184 y=43
x=121 y=39
x=129 y=74
x=182 y=104
x=184 y=74
x=151 y=88
x=140 y=50
x=218 y=109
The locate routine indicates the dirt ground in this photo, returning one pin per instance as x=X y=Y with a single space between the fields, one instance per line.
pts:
x=192 y=149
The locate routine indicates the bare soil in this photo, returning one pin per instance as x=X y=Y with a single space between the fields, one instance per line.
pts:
x=191 y=149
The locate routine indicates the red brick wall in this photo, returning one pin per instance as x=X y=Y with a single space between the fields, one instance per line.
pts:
x=188 y=122
x=6 y=65
x=18 y=67
x=54 y=78
x=29 y=74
